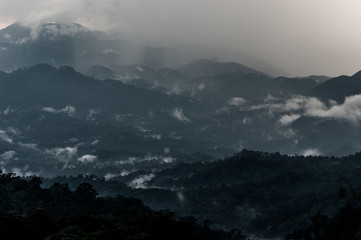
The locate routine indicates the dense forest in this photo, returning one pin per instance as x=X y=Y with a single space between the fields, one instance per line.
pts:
x=31 y=212
x=249 y=190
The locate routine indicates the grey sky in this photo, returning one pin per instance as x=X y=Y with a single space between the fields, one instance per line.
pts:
x=301 y=37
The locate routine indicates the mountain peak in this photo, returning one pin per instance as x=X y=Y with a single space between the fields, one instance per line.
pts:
x=203 y=67
x=38 y=68
x=56 y=30
x=18 y=32
x=357 y=75
x=14 y=32
x=63 y=28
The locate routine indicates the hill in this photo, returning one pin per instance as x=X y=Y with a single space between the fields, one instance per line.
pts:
x=249 y=190
x=339 y=88
x=29 y=211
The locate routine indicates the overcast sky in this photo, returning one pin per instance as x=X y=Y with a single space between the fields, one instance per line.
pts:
x=301 y=37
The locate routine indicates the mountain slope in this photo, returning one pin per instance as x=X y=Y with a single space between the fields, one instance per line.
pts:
x=205 y=67
x=338 y=88
x=57 y=44
x=66 y=122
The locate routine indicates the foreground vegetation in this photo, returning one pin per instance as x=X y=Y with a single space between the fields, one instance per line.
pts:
x=31 y=212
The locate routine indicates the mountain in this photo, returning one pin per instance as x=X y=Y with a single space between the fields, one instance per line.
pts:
x=249 y=85
x=319 y=79
x=205 y=67
x=180 y=56
x=77 y=122
x=14 y=33
x=223 y=81
x=73 y=122
x=74 y=45
x=67 y=123
x=58 y=44
x=338 y=88
x=165 y=80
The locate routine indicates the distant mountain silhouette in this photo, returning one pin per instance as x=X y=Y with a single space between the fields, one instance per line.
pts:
x=57 y=44
x=205 y=67
x=74 y=45
x=338 y=88
x=14 y=33
x=44 y=85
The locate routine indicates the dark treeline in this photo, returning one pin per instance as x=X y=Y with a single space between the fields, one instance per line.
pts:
x=28 y=211
x=248 y=191
x=267 y=194
x=345 y=225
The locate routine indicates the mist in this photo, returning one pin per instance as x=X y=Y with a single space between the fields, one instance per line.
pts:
x=301 y=37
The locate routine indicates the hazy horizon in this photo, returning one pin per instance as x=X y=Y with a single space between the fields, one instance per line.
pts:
x=298 y=37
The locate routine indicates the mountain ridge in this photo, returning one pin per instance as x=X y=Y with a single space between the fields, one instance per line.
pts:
x=339 y=88
x=205 y=67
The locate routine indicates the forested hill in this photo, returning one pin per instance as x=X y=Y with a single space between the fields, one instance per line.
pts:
x=249 y=190
x=31 y=212
x=293 y=203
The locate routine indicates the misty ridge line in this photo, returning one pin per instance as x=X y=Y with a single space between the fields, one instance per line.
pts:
x=125 y=50
x=219 y=88
x=276 y=32
x=135 y=48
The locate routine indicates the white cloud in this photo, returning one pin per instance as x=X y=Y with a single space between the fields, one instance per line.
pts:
x=270 y=98
x=350 y=110
x=271 y=107
x=168 y=159
x=287 y=120
x=87 y=158
x=61 y=30
x=141 y=181
x=295 y=103
x=236 y=101
x=8 y=155
x=8 y=110
x=91 y=114
x=123 y=117
x=298 y=106
x=13 y=131
x=246 y=121
x=180 y=197
x=179 y=115
x=33 y=146
x=148 y=157
x=156 y=136
x=311 y=152
x=95 y=142
x=49 y=109
x=286 y=133
x=23 y=172
x=63 y=154
x=69 y=110
x=5 y=137
x=123 y=173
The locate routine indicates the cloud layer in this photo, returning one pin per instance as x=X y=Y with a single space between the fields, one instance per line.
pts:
x=301 y=37
x=298 y=106
x=350 y=110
